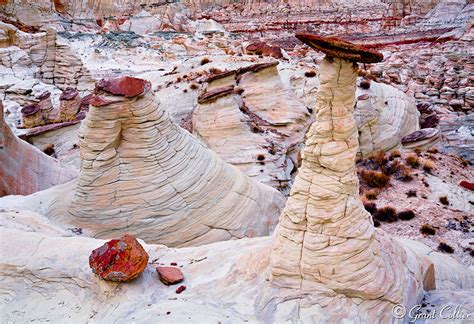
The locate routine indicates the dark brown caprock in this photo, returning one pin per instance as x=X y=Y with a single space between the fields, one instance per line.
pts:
x=335 y=47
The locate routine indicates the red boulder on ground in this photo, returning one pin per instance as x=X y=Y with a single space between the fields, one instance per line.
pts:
x=169 y=275
x=119 y=260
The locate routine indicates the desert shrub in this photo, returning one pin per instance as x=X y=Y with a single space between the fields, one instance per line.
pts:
x=205 y=60
x=48 y=149
x=428 y=165
x=379 y=158
x=375 y=179
x=444 y=200
x=310 y=74
x=370 y=207
x=365 y=84
x=412 y=160
x=185 y=90
x=215 y=71
x=395 y=154
x=411 y=193
x=193 y=86
x=406 y=215
x=376 y=222
x=433 y=150
x=260 y=157
x=391 y=167
x=427 y=229
x=404 y=173
x=386 y=214
x=443 y=247
x=371 y=194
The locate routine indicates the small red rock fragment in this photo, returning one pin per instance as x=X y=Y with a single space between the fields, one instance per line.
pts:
x=467 y=185
x=119 y=260
x=169 y=275
x=180 y=289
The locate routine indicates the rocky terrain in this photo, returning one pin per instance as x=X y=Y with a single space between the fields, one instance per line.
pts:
x=266 y=181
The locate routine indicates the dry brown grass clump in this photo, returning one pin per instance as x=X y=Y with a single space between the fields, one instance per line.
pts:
x=428 y=165
x=444 y=200
x=443 y=247
x=404 y=173
x=371 y=194
x=386 y=214
x=375 y=179
x=205 y=60
x=193 y=86
x=411 y=193
x=406 y=215
x=310 y=74
x=395 y=154
x=412 y=160
x=427 y=229
x=371 y=207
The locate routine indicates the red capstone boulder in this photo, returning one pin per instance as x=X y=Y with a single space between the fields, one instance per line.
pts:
x=119 y=260
x=169 y=275
x=123 y=86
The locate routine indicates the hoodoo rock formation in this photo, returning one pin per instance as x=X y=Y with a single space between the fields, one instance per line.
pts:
x=326 y=239
x=143 y=174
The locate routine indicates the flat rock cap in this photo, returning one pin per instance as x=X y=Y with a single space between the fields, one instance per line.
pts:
x=336 y=47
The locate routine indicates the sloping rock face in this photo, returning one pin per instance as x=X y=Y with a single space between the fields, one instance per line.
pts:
x=143 y=174
x=252 y=121
x=23 y=168
x=224 y=280
x=326 y=239
x=383 y=115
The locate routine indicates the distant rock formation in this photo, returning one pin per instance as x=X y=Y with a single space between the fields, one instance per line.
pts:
x=143 y=174
x=252 y=121
x=23 y=168
x=383 y=115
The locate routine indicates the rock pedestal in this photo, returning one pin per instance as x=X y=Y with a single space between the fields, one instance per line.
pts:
x=70 y=104
x=326 y=240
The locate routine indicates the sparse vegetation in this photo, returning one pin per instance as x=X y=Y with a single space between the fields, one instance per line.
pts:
x=412 y=160
x=428 y=165
x=193 y=86
x=395 y=154
x=371 y=194
x=260 y=157
x=310 y=74
x=205 y=60
x=411 y=193
x=443 y=247
x=370 y=206
x=427 y=229
x=375 y=179
x=215 y=71
x=404 y=173
x=406 y=215
x=444 y=200
x=386 y=214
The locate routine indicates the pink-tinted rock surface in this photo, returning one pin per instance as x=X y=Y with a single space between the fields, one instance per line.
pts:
x=124 y=86
x=119 y=260
x=24 y=169
x=169 y=275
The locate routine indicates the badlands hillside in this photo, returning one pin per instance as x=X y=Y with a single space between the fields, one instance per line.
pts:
x=236 y=161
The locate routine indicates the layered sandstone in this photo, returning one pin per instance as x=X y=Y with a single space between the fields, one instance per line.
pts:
x=326 y=239
x=24 y=169
x=143 y=174
x=252 y=121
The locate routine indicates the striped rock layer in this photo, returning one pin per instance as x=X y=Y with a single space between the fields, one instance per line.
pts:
x=326 y=240
x=144 y=175
x=384 y=115
x=252 y=121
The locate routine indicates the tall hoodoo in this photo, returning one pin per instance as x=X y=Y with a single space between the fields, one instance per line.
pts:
x=142 y=174
x=326 y=239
